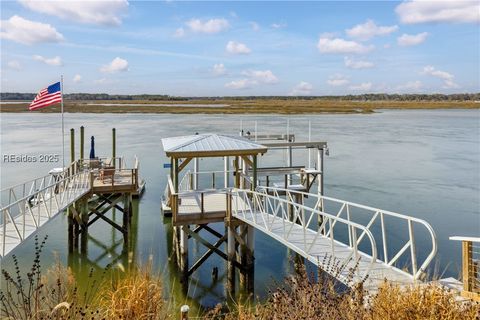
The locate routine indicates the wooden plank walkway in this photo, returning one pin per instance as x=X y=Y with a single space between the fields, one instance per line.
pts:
x=306 y=240
x=195 y=209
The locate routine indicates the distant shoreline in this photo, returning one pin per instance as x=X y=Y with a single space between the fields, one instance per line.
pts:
x=227 y=106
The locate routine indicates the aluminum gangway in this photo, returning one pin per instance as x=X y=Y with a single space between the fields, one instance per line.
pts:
x=30 y=205
x=360 y=242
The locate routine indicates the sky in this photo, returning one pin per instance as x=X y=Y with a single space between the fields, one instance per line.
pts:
x=249 y=48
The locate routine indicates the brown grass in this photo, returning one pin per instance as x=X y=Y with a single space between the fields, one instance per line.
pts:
x=301 y=298
x=255 y=106
x=137 y=295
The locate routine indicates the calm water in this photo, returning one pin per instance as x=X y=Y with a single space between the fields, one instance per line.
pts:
x=422 y=163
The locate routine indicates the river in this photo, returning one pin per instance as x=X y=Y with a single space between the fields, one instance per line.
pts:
x=423 y=163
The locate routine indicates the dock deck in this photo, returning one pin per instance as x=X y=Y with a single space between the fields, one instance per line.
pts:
x=206 y=206
x=33 y=203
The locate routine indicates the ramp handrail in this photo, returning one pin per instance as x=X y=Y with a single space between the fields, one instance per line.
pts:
x=274 y=208
x=348 y=209
x=53 y=197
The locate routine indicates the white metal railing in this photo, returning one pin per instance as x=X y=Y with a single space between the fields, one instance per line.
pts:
x=369 y=216
x=28 y=202
x=274 y=209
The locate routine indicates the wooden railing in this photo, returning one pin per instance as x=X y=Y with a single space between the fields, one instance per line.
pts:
x=470 y=266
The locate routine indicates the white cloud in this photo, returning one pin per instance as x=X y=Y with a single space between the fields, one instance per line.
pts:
x=235 y=47
x=100 y=81
x=240 y=84
x=101 y=12
x=180 y=32
x=261 y=76
x=369 y=30
x=302 y=89
x=77 y=78
x=411 y=86
x=14 y=64
x=28 y=32
x=255 y=26
x=254 y=77
x=447 y=78
x=278 y=25
x=55 y=61
x=337 y=45
x=338 y=80
x=219 y=69
x=365 y=86
x=117 y=65
x=417 y=11
x=406 y=40
x=209 y=26
x=357 y=64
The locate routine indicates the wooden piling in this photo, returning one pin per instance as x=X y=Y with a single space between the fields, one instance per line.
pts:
x=114 y=144
x=231 y=252
x=126 y=218
x=184 y=312
x=84 y=225
x=82 y=142
x=72 y=145
x=184 y=252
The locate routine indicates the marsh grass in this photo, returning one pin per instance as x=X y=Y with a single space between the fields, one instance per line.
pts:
x=253 y=106
x=137 y=294
x=303 y=297
x=50 y=295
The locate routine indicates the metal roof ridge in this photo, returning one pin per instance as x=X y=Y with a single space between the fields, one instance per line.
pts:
x=200 y=137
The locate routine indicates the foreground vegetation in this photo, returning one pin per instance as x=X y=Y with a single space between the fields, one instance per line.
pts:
x=245 y=106
x=138 y=294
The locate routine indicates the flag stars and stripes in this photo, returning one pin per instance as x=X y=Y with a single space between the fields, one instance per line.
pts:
x=46 y=97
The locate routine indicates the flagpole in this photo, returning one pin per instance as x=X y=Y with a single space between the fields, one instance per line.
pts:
x=63 y=126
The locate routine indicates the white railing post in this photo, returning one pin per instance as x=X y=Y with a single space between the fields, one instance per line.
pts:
x=412 y=248
x=384 y=238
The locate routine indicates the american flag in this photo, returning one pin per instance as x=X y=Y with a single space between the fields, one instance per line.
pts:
x=46 y=97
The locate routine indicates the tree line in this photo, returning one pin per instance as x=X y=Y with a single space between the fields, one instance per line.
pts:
x=153 y=97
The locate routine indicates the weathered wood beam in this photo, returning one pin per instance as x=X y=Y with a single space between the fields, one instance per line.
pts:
x=205 y=243
x=101 y=215
x=197 y=229
x=215 y=233
x=247 y=160
x=184 y=164
x=207 y=254
x=98 y=213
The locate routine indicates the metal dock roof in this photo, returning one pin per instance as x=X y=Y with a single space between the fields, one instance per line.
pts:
x=210 y=145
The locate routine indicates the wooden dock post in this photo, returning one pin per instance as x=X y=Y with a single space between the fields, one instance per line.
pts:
x=127 y=202
x=82 y=142
x=184 y=252
x=184 y=312
x=226 y=169
x=250 y=263
x=114 y=144
x=231 y=251
x=72 y=145
x=83 y=211
x=71 y=221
